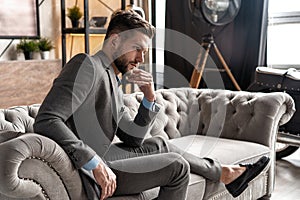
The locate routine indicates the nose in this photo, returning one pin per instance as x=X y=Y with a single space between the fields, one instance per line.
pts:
x=140 y=57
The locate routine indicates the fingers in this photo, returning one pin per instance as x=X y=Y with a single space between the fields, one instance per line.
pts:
x=141 y=83
x=139 y=77
x=108 y=187
x=106 y=179
x=144 y=80
x=106 y=191
x=111 y=177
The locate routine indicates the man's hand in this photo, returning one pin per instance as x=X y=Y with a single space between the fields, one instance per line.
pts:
x=106 y=179
x=145 y=82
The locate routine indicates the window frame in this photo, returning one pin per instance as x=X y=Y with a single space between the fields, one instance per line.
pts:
x=282 y=18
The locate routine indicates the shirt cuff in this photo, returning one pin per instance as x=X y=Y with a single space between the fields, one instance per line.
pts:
x=149 y=105
x=92 y=164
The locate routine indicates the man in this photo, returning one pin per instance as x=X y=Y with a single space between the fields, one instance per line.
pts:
x=84 y=111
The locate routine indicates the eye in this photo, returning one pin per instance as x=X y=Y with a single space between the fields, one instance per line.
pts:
x=137 y=48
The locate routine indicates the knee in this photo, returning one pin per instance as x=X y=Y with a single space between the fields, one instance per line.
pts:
x=180 y=169
x=180 y=164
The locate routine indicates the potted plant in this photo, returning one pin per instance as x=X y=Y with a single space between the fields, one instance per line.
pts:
x=28 y=47
x=45 y=45
x=74 y=14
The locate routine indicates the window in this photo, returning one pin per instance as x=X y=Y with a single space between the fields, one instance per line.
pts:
x=283 y=41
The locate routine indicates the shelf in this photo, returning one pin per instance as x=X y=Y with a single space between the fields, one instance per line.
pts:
x=86 y=30
x=83 y=31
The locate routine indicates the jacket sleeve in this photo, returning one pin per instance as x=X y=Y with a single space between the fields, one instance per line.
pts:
x=133 y=131
x=68 y=92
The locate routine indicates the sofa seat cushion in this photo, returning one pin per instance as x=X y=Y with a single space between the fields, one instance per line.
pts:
x=220 y=149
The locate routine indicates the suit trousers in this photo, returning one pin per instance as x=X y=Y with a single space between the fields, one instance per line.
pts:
x=157 y=163
x=142 y=168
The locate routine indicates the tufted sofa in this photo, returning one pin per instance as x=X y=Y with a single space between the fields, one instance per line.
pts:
x=232 y=127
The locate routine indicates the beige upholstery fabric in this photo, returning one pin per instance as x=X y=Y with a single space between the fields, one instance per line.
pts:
x=221 y=148
x=19 y=118
x=35 y=167
x=219 y=113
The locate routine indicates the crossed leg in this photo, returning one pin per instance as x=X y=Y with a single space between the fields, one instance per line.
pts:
x=157 y=163
x=235 y=177
x=206 y=167
x=169 y=171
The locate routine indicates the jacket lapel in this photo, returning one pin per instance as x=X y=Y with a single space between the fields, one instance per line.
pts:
x=116 y=101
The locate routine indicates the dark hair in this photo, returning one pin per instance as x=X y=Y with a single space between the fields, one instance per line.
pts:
x=123 y=20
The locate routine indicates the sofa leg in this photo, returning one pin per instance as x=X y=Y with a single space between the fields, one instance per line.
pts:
x=266 y=197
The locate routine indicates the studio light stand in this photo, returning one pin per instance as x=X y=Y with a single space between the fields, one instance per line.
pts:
x=208 y=43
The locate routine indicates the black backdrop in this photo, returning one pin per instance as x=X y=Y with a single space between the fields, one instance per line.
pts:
x=241 y=42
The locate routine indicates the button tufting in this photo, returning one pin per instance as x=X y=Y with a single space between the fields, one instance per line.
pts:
x=167 y=111
x=165 y=97
x=230 y=97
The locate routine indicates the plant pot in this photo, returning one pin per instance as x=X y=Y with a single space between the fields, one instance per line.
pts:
x=45 y=55
x=75 y=23
x=28 y=55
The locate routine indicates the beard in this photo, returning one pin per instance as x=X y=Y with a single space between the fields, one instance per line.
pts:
x=120 y=62
x=121 y=65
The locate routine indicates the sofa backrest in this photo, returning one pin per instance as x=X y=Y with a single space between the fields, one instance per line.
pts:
x=179 y=111
x=187 y=111
x=218 y=113
x=18 y=118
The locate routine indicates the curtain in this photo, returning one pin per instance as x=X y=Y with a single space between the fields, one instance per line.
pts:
x=242 y=44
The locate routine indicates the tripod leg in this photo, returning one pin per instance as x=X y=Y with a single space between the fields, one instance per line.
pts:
x=236 y=85
x=198 y=72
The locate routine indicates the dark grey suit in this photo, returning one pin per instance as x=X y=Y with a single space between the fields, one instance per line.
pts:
x=84 y=111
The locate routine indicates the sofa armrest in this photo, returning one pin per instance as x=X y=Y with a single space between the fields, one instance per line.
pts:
x=256 y=117
x=32 y=165
x=289 y=103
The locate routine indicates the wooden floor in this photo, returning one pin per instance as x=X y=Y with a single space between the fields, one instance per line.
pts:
x=287 y=185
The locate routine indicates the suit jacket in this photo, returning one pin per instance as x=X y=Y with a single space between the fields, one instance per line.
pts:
x=84 y=110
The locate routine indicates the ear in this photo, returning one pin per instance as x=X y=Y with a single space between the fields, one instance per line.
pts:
x=115 y=40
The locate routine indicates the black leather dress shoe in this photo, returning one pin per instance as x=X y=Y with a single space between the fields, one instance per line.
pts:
x=236 y=187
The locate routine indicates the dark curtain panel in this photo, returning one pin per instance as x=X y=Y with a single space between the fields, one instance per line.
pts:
x=242 y=43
